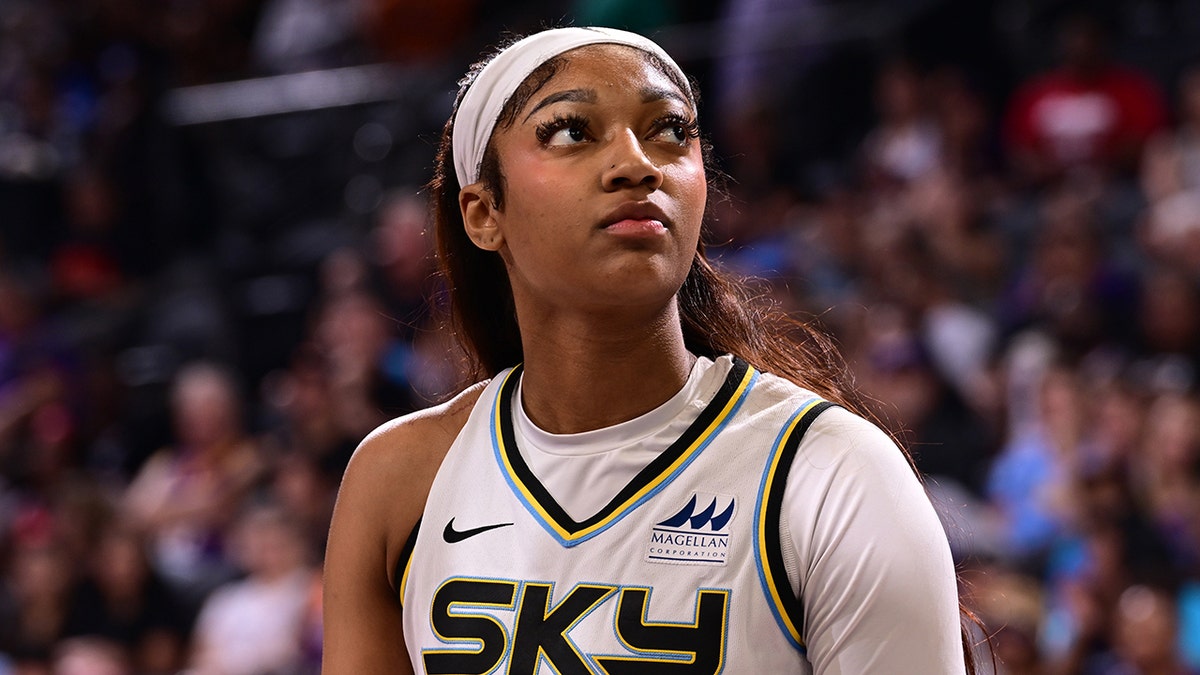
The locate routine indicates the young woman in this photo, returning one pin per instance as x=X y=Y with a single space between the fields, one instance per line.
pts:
x=655 y=478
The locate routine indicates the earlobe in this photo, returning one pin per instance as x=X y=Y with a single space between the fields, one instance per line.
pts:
x=478 y=212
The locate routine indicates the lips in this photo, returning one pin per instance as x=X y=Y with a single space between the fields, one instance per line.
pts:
x=646 y=213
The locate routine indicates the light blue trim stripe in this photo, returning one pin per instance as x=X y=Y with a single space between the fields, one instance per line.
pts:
x=759 y=562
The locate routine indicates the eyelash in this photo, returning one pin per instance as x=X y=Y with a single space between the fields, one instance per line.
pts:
x=690 y=125
x=548 y=128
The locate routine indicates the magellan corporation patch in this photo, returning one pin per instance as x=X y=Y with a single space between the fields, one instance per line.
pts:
x=697 y=534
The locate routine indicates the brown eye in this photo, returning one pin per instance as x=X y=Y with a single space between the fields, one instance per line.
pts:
x=566 y=136
x=676 y=129
x=678 y=132
x=562 y=131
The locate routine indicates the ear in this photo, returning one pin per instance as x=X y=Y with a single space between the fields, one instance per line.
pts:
x=479 y=216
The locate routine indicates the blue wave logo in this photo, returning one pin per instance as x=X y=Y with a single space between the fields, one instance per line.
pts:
x=698 y=534
x=709 y=516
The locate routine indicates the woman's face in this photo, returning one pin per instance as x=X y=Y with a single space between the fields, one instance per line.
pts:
x=604 y=188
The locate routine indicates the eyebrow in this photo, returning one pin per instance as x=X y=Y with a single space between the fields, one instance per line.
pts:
x=574 y=95
x=649 y=95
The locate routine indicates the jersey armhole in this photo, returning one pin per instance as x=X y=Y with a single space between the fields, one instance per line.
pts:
x=404 y=563
x=783 y=600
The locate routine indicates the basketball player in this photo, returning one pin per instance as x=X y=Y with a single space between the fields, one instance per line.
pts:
x=654 y=478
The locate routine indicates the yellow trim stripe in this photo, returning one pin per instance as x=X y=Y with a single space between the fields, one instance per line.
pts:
x=683 y=458
x=776 y=454
x=404 y=578
x=406 y=555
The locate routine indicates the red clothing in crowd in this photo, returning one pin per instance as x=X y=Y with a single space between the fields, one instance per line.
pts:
x=1067 y=119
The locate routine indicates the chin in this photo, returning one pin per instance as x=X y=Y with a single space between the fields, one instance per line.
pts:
x=640 y=294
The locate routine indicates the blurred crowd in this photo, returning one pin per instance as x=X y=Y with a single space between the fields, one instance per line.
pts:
x=994 y=207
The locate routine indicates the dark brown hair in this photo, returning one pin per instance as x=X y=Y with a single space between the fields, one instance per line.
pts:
x=719 y=313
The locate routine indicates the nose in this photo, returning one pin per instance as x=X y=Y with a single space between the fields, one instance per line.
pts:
x=628 y=165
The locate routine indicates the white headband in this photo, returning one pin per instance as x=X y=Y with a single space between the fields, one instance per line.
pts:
x=481 y=105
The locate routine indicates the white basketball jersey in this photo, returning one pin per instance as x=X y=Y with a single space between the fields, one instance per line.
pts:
x=681 y=572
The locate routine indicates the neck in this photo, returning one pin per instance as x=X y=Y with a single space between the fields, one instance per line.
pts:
x=588 y=372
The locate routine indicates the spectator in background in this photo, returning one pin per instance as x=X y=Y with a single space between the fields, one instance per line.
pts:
x=368 y=364
x=965 y=123
x=947 y=213
x=1030 y=480
x=948 y=443
x=1090 y=115
x=1071 y=286
x=1144 y=632
x=906 y=144
x=256 y=625
x=305 y=489
x=1080 y=605
x=1116 y=415
x=1172 y=160
x=86 y=266
x=1168 y=327
x=185 y=495
x=401 y=249
x=92 y=656
x=764 y=49
x=35 y=363
x=123 y=603
x=927 y=184
x=1165 y=473
x=35 y=601
x=1170 y=231
x=1011 y=605
x=310 y=422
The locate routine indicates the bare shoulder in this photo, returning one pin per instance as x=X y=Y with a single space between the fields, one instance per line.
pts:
x=382 y=496
x=417 y=439
x=388 y=478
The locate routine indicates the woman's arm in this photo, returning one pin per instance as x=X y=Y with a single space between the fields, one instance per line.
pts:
x=380 y=500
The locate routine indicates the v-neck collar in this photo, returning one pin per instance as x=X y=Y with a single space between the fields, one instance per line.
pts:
x=649 y=481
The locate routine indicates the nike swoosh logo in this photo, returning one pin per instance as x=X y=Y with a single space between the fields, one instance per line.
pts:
x=453 y=536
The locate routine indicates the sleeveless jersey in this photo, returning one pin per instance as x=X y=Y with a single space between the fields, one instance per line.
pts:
x=681 y=572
